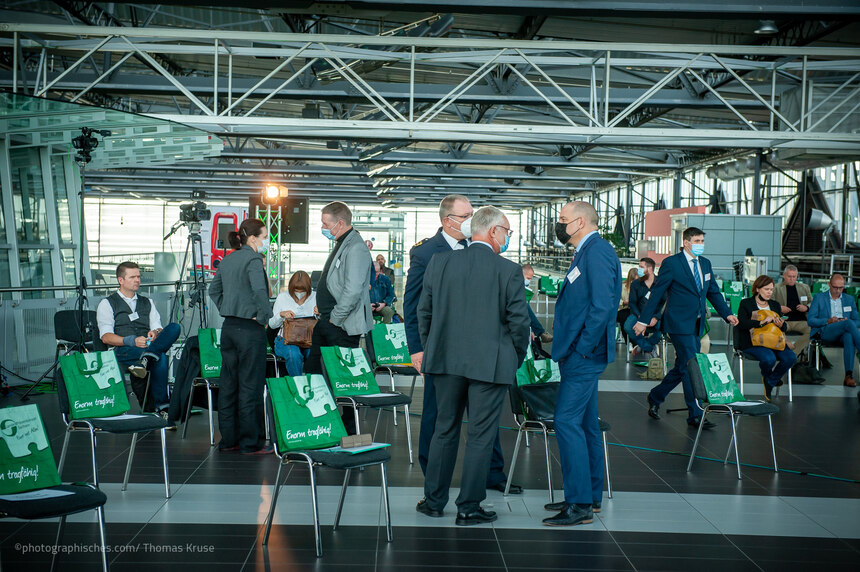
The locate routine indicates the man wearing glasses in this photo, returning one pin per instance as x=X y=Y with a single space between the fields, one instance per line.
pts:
x=455 y=213
x=834 y=315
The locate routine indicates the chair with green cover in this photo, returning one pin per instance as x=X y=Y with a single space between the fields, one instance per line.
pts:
x=36 y=491
x=209 y=340
x=715 y=388
x=349 y=374
x=307 y=429
x=92 y=397
x=386 y=345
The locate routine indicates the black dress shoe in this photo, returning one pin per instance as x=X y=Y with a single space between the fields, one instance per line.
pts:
x=571 y=515
x=695 y=423
x=480 y=516
x=424 y=508
x=515 y=489
x=557 y=506
x=653 y=408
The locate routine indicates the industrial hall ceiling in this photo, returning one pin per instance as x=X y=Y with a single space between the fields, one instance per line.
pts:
x=397 y=103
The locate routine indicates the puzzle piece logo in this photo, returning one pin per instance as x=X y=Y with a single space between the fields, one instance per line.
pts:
x=397 y=337
x=321 y=402
x=107 y=375
x=217 y=341
x=20 y=427
x=353 y=359
x=721 y=370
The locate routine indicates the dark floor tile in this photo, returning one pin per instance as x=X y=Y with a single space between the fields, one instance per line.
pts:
x=698 y=564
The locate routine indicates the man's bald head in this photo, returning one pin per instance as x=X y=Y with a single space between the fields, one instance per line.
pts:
x=576 y=209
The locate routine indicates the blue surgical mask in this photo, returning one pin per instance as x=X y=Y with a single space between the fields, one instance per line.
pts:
x=264 y=245
x=504 y=246
x=640 y=272
x=697 y=249
x=328 y=234
x=528 y=282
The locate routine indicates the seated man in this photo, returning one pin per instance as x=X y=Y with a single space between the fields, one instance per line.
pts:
x=381 y=294
x=536 y=327
x=132 y=324
x=834 y=314
x=794 y=297
x=640 y=293
x=385 y=270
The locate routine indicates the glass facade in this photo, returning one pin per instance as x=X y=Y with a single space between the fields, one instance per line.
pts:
x=35 y=269
x=61 y=195
x=28 y=196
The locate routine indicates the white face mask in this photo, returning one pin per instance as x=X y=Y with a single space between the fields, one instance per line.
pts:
x=466 y=228
x=264 y=245
x=300 y=295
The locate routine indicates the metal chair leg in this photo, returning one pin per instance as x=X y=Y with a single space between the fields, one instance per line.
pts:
x=101 y=516
x=188 y=411
x=266 y=412
x=606 y=464
x=130 y=458
x=772 y=445
x=95 y=463
x=548 y=466
x=696 y=442
x=735 y=438
x=342 y=497
x=211 y=420
x=378 y=417
x=64 y=451
x=275 y=490
x=514 y=461
x=731 y=444
x=528 y=444
x=60 y=530
x=393 y=408
x=741 y=372
x=790 y=393
x=317 y=534
x=389 y=533
x=164 y=463
x=408 y=432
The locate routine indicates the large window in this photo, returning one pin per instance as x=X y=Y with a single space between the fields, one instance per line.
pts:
x=64 y=219
x=28 y=196
x=35 y=269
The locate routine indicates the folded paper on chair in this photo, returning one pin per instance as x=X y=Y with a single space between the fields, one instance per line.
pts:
x=356 y=450
x=351 y=441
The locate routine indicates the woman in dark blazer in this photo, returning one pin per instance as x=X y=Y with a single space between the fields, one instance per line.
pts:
x=773 y=363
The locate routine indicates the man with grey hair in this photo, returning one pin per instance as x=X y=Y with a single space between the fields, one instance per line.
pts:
x=795 y=298
x=455 y=212
x=474 y=329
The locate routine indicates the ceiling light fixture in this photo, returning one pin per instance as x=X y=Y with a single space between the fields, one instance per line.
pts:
x=766 y=28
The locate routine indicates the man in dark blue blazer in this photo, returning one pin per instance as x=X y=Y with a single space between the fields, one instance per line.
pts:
x=834 y=315
x=687 y=280
x=454 y=210
x=583 y=345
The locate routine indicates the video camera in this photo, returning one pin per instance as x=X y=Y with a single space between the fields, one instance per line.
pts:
x=194 y=212
x=85 y=143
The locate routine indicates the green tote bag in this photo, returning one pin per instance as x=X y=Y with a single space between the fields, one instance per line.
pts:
x=210 y=352
x=26 y=461
x=719 y=381
x=306 y=416
x=348 y=371
x=94 y=385
x=389 y=344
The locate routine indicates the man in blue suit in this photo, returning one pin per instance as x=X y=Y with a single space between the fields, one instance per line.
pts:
x=687 y=278
x=454 y=212
x=834 y=314
x=583 y=345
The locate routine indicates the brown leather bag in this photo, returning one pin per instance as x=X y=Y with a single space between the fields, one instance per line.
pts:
x=298 y=332
x=768 y=335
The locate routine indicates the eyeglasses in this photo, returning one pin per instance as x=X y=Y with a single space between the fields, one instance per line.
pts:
x=461 y=215
x=837 y=287
x=508 y=231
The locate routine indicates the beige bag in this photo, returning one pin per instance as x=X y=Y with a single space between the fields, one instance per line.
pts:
x=769 y=335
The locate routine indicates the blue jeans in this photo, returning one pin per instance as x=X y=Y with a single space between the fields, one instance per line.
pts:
x=127 y=356
x=686 y=348
x=845 y=331
x=645 y=343
x=536 y=326
x=768 y=358
x=293 y=355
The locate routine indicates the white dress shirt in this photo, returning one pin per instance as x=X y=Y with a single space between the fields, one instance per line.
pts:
x=836 y=307
x=690 y=259
x=104 y=314
x=452 y=242
x=285 y=302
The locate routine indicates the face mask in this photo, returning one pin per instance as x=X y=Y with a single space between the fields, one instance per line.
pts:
x=300 y=295
x=640 y=272
x=528 y=282
x=697 y=249
x=466 y=228
x=328 y=234
x=504 y=247
x=561 y=232
x=264 y=245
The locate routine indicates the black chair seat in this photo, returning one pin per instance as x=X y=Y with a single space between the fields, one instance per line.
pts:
x=130 y=424
x=348 y=461
x=398 y=369
x=83 y=498
x=387 y=400
x=754 y=409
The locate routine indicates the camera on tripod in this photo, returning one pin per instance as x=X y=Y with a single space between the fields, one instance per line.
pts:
x=194 y=212
x=85 y=143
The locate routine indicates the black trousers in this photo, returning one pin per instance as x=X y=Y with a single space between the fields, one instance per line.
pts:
x=327 y=334
x=243 y=374
x=484 y=400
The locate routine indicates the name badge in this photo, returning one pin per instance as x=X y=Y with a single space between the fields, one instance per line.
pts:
x=337 y=263
x=573 y=275
x=846 y=308
x=133 y=316
x=707 y=277
x=648 y=296
x=803 y=298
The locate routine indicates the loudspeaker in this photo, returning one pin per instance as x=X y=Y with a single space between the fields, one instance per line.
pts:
x=294 y=218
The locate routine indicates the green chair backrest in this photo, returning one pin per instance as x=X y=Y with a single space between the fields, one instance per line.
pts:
x=305 y=413
x=94 y=385
x=820 y=286
x=529 y=295
x=389 y=345
x=548 y=285
x=733 y=287
x=26 y=460
x=348 y=371
x=210 y=352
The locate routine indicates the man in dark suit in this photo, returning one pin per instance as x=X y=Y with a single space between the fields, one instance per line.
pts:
x=454 y=212
x=583 y=345
x=474 y=329
x=687 y=278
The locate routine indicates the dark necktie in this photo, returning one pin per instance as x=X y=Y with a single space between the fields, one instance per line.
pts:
x=696 y=274
x=464 y=243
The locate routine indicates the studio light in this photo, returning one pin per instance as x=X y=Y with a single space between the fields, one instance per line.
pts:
x=272 y=194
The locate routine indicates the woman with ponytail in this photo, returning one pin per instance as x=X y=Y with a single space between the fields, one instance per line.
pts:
x=240 y=291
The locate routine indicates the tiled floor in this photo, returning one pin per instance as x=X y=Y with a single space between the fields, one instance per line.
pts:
x=660 y=517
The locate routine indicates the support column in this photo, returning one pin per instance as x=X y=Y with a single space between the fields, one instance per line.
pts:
x=756 y=186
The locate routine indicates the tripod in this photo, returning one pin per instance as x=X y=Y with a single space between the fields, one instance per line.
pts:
x=197 y=292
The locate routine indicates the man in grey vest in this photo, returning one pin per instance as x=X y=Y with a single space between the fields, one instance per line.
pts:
x=131 y=323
